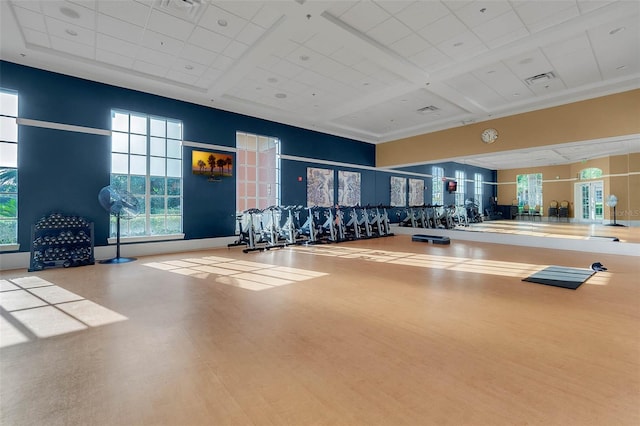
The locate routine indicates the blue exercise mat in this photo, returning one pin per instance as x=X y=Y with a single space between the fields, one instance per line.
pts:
x=561 y=276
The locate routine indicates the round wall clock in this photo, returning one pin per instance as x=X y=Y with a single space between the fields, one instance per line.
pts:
x=489 y=135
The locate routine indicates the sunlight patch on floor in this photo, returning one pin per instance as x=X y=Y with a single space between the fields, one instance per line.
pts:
x=33 y=308
x=244 y=274
x=451 y=263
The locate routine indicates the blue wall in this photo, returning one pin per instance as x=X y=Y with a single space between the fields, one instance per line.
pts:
x=63 y=171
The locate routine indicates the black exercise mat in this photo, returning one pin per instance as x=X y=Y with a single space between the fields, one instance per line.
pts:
x=560 y=276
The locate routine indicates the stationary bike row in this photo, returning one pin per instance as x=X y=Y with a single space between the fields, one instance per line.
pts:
x=429 y=216
x=279 y=226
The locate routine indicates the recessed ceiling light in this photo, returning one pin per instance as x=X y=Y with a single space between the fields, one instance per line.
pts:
x=458 y=44
x=483 y=10
x=516 y=94
x=281 y=95
x=258 y=88
x=71 y=32
x=621 y=67
x=525 y=61
x=366 y=83
x=272 y=80
x=188 y=67
x=304 y=57
x=616 y=30
x=222 y=22
x=69 y=13
x=491 y=72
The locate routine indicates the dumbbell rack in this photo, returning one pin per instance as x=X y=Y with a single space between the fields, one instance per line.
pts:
x=59 y=240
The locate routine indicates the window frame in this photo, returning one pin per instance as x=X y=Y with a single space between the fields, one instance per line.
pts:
x=160 y=151
x=9 y=173
x=437 y=186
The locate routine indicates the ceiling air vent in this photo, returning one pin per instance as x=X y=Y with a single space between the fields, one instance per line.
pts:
x=428 y=109
x=182 y=8
x=540 y=78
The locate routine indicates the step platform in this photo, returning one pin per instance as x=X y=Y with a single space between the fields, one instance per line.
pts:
x=435 y=239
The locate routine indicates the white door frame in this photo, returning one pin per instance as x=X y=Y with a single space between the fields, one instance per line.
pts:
x=578 y=210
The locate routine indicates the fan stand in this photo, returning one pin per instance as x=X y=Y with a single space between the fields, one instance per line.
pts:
x=614 y=219
x=118 y=259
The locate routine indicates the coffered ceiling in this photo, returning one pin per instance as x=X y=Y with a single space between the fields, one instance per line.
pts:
x=369 y=70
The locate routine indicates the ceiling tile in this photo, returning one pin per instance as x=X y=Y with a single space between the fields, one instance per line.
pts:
x=442 y=30
x=116 y=45
x=161 y=43
x=70 y=32
x=501 y=30
x=72 y=48
x=86 y=16
x=464 y=45
x=538 y=18
x=27 y=4
x=430 y=59
x=268 y=15
x=410 y=45
x=422 y=13
x=36 y=37
x=27 y=18
x=389 y=31
x=235 y=49
x=119 y=29
x=244 y=9
x=502 y=81
x=394 y=6
x=209 y=40
x=130 y=11
x=528 y=64
x=364 y=16
x=169 y=25
x=222 y=22
x=154 y=57
x=574 y=61
x=250 y=34
x=197 y=54
x=482 y=11
x=326 y=44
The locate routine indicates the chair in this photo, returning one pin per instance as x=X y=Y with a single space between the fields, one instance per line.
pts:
x=553 y=209
x=563 y=210
x=525 y=211
x=515 y=210
x=536 y=213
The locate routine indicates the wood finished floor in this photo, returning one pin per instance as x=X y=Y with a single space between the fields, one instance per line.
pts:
x=452 y=337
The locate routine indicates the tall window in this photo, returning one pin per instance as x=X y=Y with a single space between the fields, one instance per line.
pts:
x=461 y=177
x=478 y=190
x=146 y=160
x=8 y=167
x=258 y=169
x=529 y=189
x=437 y=186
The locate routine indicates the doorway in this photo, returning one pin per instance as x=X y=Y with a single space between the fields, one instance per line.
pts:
x=589 y=202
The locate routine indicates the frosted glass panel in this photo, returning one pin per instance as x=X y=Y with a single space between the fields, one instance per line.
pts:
x=158 y=147
x=157 y=166
x=8 y=154
x=174 y=149
x=8 y=104
x=174 y=130
x=158 y=127
x=138 y=144
x=139 y=124
x=8 y=129
x=138 y=165
x=119 y=122
x=174 y=168
x=119 y=163
x=119 y=142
